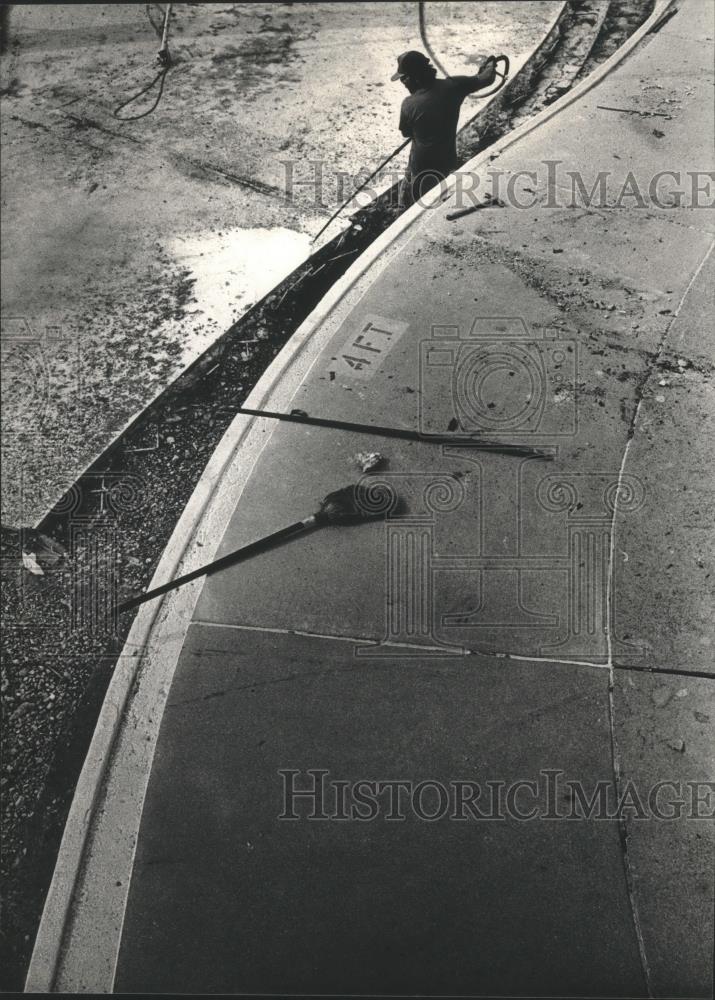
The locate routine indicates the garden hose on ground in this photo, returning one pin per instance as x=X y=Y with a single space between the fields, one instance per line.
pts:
x=165 y=61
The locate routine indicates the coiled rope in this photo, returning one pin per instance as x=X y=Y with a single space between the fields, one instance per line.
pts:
x=160 y=78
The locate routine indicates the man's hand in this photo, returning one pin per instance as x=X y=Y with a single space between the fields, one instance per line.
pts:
x=487 y=72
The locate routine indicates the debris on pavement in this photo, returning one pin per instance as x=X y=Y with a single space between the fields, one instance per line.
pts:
x=367 y=461
x=31 y=564
x=489 y=202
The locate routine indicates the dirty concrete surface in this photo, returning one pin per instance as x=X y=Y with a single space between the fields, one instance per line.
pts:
x=628 y=697
x=129 y=247
x=124 y=255
x=632 y=693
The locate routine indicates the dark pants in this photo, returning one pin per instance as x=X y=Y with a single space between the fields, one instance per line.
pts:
x=414 y=188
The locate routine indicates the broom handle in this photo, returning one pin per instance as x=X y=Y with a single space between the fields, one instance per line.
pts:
x=364 y=184
x=402 y=433
x=238 y=555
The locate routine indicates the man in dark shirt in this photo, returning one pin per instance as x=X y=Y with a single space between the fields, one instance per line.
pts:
x=429 y=116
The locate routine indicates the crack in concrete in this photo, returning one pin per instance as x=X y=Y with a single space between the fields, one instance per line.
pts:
x=523 y=658
x=459 y=651
x=29 y=123
x=361 y=640
x=82 y=122
x=623 y=834
x=615 y=751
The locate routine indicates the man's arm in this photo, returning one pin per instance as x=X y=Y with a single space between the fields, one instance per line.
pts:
x=484 y=78
x=405 y=122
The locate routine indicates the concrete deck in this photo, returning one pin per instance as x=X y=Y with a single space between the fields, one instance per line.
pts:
x=512 y=617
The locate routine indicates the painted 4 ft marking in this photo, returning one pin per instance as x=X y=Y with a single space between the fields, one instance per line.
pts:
x=363 y=352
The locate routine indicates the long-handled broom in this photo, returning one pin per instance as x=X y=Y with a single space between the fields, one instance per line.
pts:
x=349 y=505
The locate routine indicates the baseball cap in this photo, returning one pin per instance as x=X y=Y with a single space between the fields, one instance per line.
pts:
x=410 y=62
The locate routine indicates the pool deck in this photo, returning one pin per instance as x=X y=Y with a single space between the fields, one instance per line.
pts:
x=513 y=633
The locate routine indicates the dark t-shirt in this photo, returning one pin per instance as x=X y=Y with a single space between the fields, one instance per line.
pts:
x=430 y=117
